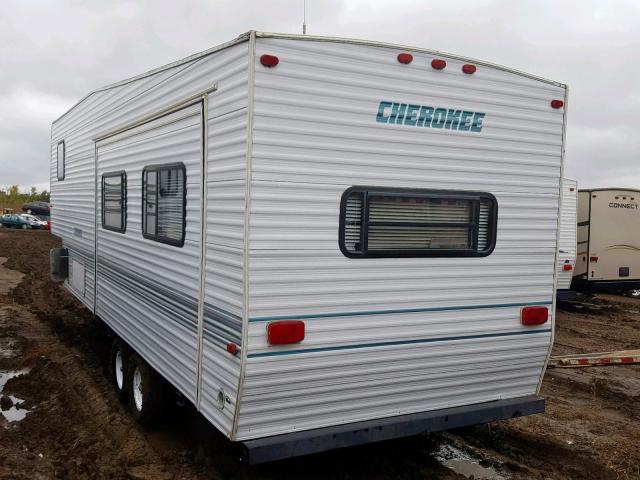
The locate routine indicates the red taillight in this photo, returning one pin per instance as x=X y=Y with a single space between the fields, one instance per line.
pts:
x=438 y=64
x=593 y=259
x=285 y=332
x=566 y=268
x=405 y=58
x=232 y=348
x=557 y=103
x=469 y=69
x=534 y=315
x=269 y=60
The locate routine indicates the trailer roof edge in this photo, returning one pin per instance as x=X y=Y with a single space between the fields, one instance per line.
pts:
x=245 y=37
x=196 y=56
x=373 y=43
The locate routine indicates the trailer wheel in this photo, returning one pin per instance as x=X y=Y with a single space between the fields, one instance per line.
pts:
x=147 y=393
x=119 y=370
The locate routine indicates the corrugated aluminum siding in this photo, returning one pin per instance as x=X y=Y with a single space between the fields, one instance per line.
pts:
x=392 y=336
x=567 y=237
x=73 y=215
x=148 y=291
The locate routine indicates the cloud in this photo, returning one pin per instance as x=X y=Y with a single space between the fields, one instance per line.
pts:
x=52 y=53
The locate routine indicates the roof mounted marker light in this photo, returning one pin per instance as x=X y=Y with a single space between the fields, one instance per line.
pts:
x=469 y=69
x=285 y=332
x=405 y=58
x=269 y=60
x=557 y=103
x=438 y=63
x=534 y=315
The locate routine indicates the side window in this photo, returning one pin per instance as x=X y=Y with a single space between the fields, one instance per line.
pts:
x=164 y=203
x=114 y=201
x=60 y=159
x=392 y=222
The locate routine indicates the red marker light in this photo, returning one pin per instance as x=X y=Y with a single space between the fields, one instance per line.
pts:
x=534 y=315
x=469 y=69
x=269 y=60
x=593 y=259
x=405 y=58
x=567 y=268
x=285 y=332
x=232 y=348
x=557 y=103
x=438 y=64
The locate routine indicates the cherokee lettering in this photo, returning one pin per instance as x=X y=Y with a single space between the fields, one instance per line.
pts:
x=412 y=115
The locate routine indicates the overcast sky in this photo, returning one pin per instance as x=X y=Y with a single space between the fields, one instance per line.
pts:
x=52 y=53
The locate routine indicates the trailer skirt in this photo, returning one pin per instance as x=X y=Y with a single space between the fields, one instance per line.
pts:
x=319 y=440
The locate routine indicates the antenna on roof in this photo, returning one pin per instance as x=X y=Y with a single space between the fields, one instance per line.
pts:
x=304 y=17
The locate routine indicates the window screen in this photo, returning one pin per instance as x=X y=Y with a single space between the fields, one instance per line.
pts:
x=164 y=203
x=379 y=222
x=60 y=160
x=114 y=201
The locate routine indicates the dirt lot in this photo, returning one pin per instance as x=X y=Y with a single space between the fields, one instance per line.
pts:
x=61 y=419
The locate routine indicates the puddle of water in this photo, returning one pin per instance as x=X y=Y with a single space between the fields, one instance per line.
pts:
x=466 y=465
x=14 y=413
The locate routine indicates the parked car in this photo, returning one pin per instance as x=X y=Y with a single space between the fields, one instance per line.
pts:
x=37 y=208
x=34 y=221
x=16 y=221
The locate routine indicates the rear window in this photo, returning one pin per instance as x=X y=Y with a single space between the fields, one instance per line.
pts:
x=387 y=222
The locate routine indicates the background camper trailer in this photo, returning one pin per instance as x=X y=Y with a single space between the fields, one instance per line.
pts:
x=608 y=239
x=310 y=237
x=567 y=237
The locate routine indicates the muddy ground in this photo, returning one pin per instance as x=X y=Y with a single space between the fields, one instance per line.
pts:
x=61 y=419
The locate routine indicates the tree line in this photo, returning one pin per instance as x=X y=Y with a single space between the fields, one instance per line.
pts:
x=12 y=195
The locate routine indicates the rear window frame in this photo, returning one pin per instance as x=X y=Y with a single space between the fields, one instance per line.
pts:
x=419 y=193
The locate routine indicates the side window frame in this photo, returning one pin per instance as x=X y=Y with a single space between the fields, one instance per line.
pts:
x=123 y=199
x=158 y=169
x=64 y=158
x=473 y=196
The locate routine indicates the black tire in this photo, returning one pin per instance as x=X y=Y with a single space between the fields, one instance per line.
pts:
x=120 y=382
x=149 y=403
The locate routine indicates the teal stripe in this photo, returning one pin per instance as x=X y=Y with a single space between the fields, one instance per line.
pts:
x=389 y=312
x=395 y=343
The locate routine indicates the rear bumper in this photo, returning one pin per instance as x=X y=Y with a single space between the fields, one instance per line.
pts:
x=319 y=440
x=606 y=285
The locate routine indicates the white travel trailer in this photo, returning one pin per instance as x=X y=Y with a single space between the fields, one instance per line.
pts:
x=567 y=238
x=608 y=239
x=319 y=242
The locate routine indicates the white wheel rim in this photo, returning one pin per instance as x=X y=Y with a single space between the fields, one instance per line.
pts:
x=119 y=370
x=137 y=389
